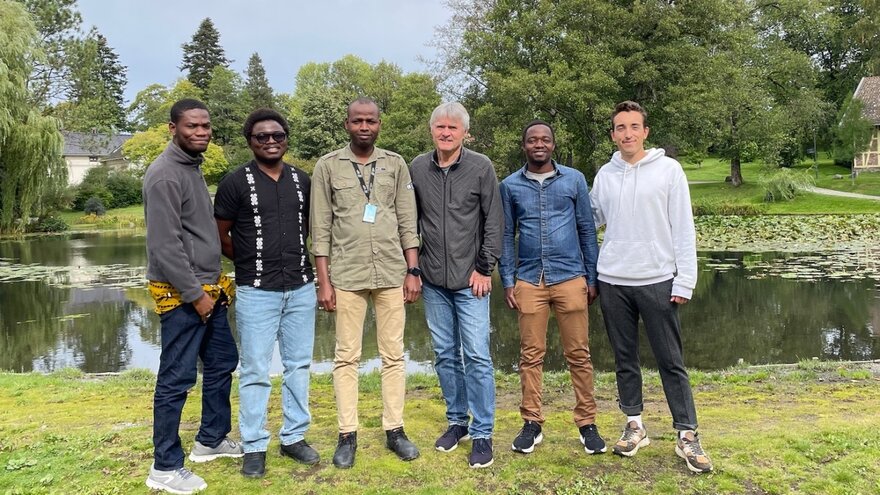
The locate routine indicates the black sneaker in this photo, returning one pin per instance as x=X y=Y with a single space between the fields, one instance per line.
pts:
x=301 y=452
x=345 y=450
x=591 y=440
x=529 y=436
x=400 y=445
x=449 y=441
x=254 y=465
x=481 y=453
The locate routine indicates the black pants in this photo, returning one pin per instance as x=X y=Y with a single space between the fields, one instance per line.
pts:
x=185 y=339
x=621 y=307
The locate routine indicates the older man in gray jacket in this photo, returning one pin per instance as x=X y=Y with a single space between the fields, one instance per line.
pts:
x=460 y=221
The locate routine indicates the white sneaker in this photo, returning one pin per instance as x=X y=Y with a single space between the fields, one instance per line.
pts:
x=227 y=448
x=181 y=481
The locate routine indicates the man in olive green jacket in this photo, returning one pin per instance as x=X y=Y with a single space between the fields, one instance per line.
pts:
x=363 y=221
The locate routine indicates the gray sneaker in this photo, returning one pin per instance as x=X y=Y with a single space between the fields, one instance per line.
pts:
x=181 y=481
x=226 y=448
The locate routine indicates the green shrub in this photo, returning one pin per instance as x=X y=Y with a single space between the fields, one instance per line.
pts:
x=115 y=188
x=48 y=224
x=125 y=188
x=94 y=205
x=784 y=184
x=704 y=208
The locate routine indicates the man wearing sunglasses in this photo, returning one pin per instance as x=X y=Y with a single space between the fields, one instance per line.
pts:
x=262 y=211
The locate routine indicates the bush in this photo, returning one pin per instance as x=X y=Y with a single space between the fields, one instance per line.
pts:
x=115 y=188
x=125 y=188
x=705 y=208
x=48 y=224
x=94 y=205
x=785 y=184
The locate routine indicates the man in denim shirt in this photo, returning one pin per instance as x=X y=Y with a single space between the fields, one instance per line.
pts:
x=554 y=266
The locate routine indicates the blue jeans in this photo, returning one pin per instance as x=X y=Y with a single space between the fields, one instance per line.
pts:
x=185 y=339
x=264 y=316
x=459 y=325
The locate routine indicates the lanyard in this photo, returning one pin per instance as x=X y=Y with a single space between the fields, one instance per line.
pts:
x=360 y=176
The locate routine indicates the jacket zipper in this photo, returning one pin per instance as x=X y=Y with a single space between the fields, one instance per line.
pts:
x=445 y=255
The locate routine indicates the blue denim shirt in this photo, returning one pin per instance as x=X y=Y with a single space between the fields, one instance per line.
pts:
x=557 y=236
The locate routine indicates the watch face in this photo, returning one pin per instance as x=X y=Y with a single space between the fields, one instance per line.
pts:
x=415 y=271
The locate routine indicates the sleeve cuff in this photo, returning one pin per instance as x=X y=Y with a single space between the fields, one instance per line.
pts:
x=680 y=291
x=321 y=248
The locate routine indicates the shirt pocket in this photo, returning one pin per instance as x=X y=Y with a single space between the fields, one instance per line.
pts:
x=385 y=189
x=345 y=190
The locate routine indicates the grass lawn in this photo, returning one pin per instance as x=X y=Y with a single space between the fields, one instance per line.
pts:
x=715 y=170
x=804 y=429
x=116 y=218
x=805 y=204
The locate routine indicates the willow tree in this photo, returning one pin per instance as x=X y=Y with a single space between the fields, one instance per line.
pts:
x=31 y=166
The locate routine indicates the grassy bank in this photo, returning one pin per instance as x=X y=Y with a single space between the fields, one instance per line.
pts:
x=809 y=428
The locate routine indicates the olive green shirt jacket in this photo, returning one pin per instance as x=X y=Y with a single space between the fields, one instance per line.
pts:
x=363 y=255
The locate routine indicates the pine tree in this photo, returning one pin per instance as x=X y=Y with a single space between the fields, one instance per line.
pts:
x=202 y=54
x=114 y=78
x=97 y=82
x=257 y=86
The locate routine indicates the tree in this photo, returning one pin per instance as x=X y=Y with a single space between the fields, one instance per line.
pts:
x=31 y=166
x=152 y=105
x=57 y=23
x=143 y=148
x=714 y=75
x=256 y=86
x=317 y=108
x=202 y=54
x=225 y=100
x=318 y=128
x=405 y=127
x=97 y=83
x=853 y=132
x=385 y=79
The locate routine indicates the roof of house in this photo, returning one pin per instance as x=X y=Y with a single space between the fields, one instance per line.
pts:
x=89 y=144
x=868 y=91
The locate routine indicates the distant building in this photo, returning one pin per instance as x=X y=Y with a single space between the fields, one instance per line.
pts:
x=868 y=92
x=84 y=150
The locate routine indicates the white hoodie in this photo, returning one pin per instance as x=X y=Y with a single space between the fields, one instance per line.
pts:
x=649 y=235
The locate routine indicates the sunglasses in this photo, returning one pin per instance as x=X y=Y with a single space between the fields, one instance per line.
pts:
x=278 y=137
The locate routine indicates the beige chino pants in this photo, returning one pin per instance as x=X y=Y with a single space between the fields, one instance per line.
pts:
x=351 y=308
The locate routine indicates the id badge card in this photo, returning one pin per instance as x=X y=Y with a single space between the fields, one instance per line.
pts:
x=370 y=213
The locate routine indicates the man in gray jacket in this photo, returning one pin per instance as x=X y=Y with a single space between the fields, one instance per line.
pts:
x=191 y=294
x=460 y=221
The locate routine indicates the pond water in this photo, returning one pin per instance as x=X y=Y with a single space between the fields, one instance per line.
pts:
x=80 y=301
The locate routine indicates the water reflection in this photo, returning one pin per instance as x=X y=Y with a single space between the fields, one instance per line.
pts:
x=80 y=301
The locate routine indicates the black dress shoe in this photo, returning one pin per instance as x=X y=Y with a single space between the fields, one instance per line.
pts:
x=400 y=445
x=301 y=452
x=254 y=465
x=345 y=450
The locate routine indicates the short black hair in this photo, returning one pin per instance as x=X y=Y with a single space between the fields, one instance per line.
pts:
x=363 y=100
x=533 y=124
x=260 y=115
x=184 y=105
x=629 y=106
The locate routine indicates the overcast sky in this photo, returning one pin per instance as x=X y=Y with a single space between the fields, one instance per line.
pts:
x=147 y=34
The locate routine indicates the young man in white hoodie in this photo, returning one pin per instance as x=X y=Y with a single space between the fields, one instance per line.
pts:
x=647 y=267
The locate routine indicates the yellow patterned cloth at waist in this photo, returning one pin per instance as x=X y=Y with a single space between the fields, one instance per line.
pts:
x=168 y=298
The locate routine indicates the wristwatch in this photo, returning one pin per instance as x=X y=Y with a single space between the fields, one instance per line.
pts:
x=414 y=271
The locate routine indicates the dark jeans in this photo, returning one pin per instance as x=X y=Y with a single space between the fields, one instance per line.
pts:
x=621 y=307
x=185 y=339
